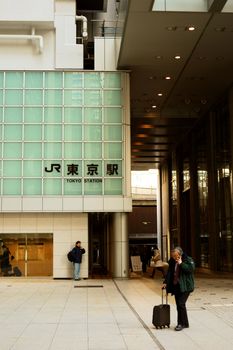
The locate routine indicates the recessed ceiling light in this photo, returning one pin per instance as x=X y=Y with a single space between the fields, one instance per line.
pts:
x=171 y=28
x=167 y=78
x=177 y=57
x=137 y=143
x=146 y=126
x=220 y=29
x=158 y=57
x=154 y=106
x=191 y=28
x=160 y=94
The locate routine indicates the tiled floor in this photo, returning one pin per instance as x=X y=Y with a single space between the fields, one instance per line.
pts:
x=45 y=314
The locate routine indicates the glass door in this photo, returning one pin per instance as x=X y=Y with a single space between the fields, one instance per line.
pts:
x=28 y=254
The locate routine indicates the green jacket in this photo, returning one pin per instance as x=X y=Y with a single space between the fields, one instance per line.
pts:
x=186 y=280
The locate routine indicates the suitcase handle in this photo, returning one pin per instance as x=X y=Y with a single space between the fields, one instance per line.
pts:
x=163 y=289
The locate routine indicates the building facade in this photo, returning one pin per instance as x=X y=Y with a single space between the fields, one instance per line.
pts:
x=65 y=141
x=198 y=181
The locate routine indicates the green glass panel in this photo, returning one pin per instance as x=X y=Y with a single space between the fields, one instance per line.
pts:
x=113 y=133
x=32 y=132
x=73 y=132
x=32 y=168
x=93 y=115
x=112 y=115
x=92 y=98
x=92 y=80
x=113 y=186
x=12 y=150
x=14 y=97
x=12 y=132
x=53 y=80
x=73 y=97
x=52 y=187
x=53 y=168
x=34 y=80
x=53 y=115
x=11 y=187
x=53 y=132
x=33 y=114
x=14 y=80
x=73 y=115
x=1 y=97
x=32 y=187
x=13 y=115
x=73 y=150
x=93 y=169
x=1 y=114
x=0 y=134
x=112 y=168
x=93 y=150
x=112 y=80
x=112 y=98
x=93 y=188
x=53 y=97
x=73 y=80
x=33 y=97
x=93 y=132
x=113 y=150
x=73 y=168
x=52 y=150
x=32 y=150
x=12 y=168
x=1 y=79
x=72 y=187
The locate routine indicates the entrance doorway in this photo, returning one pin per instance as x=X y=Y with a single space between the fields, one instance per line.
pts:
x=32 y=253
x=98 y=226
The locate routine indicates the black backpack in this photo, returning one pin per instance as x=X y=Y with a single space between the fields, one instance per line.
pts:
x=70 y=256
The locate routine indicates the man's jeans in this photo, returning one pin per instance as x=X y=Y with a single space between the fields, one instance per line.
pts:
x=76 y=271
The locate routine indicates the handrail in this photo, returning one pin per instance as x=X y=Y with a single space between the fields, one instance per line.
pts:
x=38 y=39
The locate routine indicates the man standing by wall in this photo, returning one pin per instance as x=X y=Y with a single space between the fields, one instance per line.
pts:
x=77 y=253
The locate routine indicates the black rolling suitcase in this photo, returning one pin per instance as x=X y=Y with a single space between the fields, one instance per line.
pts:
x=161 y=314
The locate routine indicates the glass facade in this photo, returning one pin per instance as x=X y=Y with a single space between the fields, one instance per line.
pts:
x=205 y=197
x=62 y=133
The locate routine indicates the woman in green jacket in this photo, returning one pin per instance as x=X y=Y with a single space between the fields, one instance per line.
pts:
x=179 y=282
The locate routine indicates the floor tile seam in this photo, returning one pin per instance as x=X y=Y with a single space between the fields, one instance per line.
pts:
x=211 y=310
x=145 y=326
x=114 y=316
x=19 y=336
x=60 y=318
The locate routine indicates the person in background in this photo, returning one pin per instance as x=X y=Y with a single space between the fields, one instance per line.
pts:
x=5 y=260
x=179 y=281
x=77 y=253
x=157 y=263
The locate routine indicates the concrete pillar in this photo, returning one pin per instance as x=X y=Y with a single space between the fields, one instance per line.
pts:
x=120 y=246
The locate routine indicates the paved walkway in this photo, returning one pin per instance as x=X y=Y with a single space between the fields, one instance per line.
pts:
x=103 y=314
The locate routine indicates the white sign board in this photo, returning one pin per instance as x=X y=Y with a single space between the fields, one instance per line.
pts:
x=136 y=263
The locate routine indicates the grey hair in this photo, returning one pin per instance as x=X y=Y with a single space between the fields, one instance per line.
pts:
x=178 y=249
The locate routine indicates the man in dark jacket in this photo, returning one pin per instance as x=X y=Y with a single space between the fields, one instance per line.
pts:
x=180 y=283
x=77 y=252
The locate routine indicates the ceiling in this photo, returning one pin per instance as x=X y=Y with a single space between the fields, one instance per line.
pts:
x=188 y=85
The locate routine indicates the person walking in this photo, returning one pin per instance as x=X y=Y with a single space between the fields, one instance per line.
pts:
x=77 y=253
x=179 y=281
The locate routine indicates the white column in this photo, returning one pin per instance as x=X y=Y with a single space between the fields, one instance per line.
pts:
x=120 y=246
